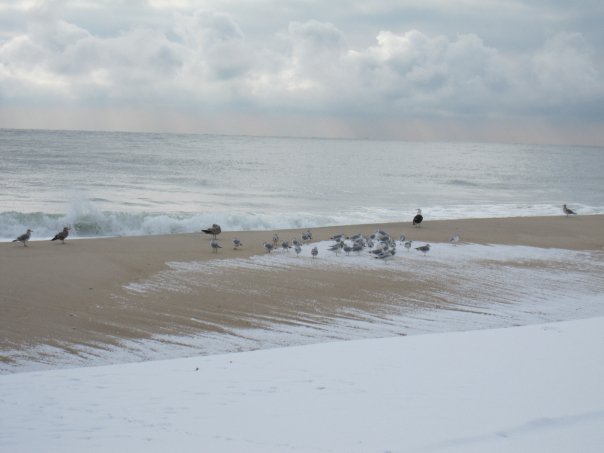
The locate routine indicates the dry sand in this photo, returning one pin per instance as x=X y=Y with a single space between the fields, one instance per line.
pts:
x=72 y=294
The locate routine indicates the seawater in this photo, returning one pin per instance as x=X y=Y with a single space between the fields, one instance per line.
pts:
x=117 y=183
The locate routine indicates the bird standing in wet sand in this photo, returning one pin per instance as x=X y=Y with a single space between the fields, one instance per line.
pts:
x=236 y=243
x=215 y=245
x=214 y=230
x=314 y=252
x=418 y=219
x=568 y=211
x=454 y=239
x=62 y=235
x=424 y=248
x=24 y=237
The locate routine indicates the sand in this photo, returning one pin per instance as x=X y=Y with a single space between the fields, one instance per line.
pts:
x=75 y=294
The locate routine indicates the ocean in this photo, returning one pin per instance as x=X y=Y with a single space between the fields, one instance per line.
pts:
x=123 y=184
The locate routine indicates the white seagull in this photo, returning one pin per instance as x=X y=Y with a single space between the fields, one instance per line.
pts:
x=215 y=245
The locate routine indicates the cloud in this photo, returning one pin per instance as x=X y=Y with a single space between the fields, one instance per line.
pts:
x=204 y=60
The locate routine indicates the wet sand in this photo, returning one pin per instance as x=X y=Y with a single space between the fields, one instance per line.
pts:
x=75 y=294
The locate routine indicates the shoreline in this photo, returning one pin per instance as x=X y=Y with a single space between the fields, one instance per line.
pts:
x=74 y=295
x=45 y=232
x=529 y=239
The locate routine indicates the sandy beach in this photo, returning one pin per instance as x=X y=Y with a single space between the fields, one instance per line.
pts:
x=81 y=293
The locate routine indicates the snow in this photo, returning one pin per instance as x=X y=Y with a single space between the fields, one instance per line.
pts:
x=522 y=389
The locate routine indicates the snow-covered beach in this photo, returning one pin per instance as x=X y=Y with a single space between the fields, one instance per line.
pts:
x=525 y=389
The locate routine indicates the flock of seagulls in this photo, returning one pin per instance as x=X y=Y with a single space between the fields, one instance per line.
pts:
x=379 y=245
x=296 y=243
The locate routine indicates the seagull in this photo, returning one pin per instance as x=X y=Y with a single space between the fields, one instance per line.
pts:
x=386 y=254
x=275 y=239
x=62 y=235
x=408 y=245
x=568 y=211
x=336 y=247
x=424 y=248
x=215 y=245
x=268 y=246
x=381 y=235
x=357 y=247
x=454 y=239
x=402 y=238
x=418 y=218
x=24 y=237
x=285 y=246
x=314 y=252
x=214 y=230
x=236 y=243
x=306 y=237
x=298 y=249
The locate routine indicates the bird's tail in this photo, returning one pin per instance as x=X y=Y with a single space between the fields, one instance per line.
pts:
x=55 y=238
x=16 y=240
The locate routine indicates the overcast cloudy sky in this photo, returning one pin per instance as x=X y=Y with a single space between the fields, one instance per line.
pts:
x=529 y=71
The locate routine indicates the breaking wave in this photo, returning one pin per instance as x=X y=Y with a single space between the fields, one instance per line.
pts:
x=93 y=223
x=87 y=221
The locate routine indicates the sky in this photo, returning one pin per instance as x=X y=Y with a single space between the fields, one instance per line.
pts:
x=470 y=70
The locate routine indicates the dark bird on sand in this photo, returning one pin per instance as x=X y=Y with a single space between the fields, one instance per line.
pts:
x=568 y=211
x=24 y=237
x=418 y=218
x=214 y=230
x=62 y=235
